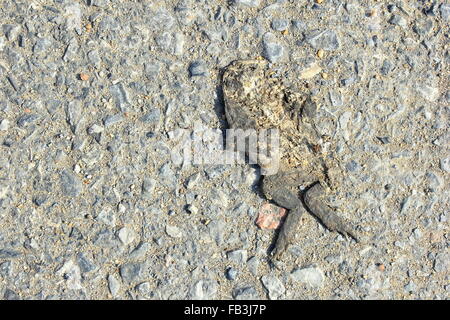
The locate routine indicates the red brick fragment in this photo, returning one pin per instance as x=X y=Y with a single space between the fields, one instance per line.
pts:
x=270 y=216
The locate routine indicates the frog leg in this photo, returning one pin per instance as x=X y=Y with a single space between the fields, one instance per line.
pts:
x=287 y=232
x=313 y=199
x=282 y=188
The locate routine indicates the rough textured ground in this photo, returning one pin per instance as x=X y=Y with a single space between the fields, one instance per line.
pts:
x=93 y=205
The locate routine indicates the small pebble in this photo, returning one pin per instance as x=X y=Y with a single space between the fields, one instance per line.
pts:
x=310 y=275
x=173 y=231
x=398 y=20
x=444 y=164
x=198 y=69
x=310 y=72
x=245 y=293
x=280 y=24
x=192 y=209
x=274 y=286
x=238 y=256
x=84 y=76
x=270 y=216
x=126 y=235
x=130 y=272
x=231 y=273
x=273 y=50
x=4 y=125
x=320 y=53
x=114 y=285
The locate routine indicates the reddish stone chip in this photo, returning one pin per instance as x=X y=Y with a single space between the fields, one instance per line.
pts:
x=270 y=216
x=84 y=76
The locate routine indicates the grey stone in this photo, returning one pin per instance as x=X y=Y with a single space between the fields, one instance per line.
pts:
x=94 y=58
x=348 y=81
x=173 y=231
x=179 y=43
x=274 y=286
x=4 y=125
x=152 y=69
x=164 y=41
x=245 y=293
x=53 y=105
x=11 y=31
x=148 y=185
x=186 y=15
x=247 y=3
x=231 y=273
x=151 y=117
x=205 y=289
x=445 y=164
x=216 y=231
x=95 y=129
x=71 y=274
x=4 y=188
x=398 y=20
x=126 y=235
x=384 y=140
x=163 y=20
x=442 y=262
x=72 y=15
x=309 y=275
x=6 y=269
x=8 y=254
x=74 y=111
x=113 y=285
x=71 y=51
x=130 y=272
x=352 y=166
x=423 y=27
x=253 y=264
x=98 y=3
x=198 y=69
x=445 y=11
x=106 y=239
x=121 y=96
x=140 y=251
x=335 y=98
x=215 y=171
x=113 y=119
x=40 y=200
x=410 y=287
x=144 y=289
x=191 y=209
x=167 y=177
x=85 y=264
x=10 y=295
x=42 y=45
x=280 y=24
x=326 y=40
x=386 y=68
x=273 y=49
x=238 y=256
x=26 y=120
x=295 y=250
x=107 y=217
x=71 y=185
x=299 y=25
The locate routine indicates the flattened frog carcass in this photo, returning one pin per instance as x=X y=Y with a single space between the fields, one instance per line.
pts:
x=255 y=99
